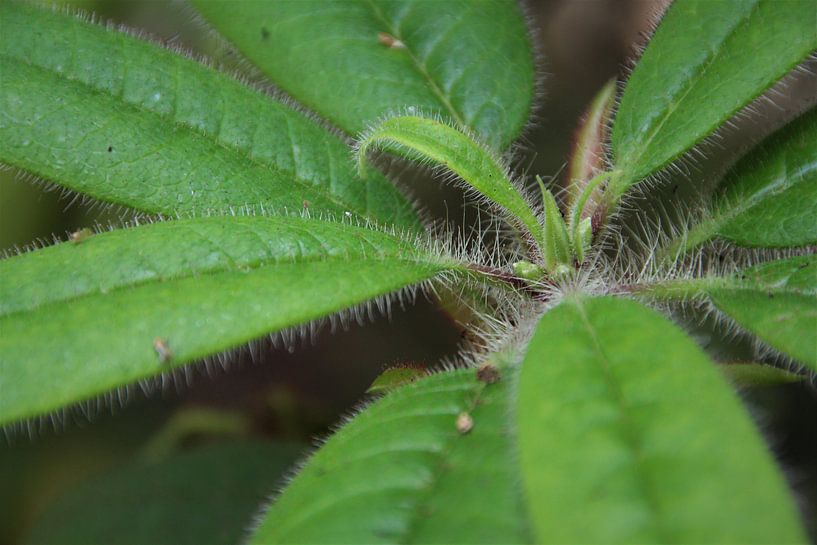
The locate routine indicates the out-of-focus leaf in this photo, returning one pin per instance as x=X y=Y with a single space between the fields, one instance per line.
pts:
x=628 y=434
x=207 y=496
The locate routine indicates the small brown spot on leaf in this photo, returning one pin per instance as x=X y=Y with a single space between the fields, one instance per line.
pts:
x=78 y=236
x=162 y=349
x=389 y=41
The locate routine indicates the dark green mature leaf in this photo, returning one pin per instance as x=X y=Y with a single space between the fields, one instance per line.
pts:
x=770 y=197
x=628 y=434
x=128 y=122
x=207 y=496
x=130 y=304
x=401 y=472
x=434 y=142
x=705 y=62
x=357 y=60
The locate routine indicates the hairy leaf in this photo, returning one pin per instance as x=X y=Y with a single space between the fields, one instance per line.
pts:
x=628 y=434
x=705 y=62
x=770 y=197
x=777 y=301
x=401 y=472
x=125 y=121
x=437 y=143
x=357 y=60
x=130 y=304
x=207 y=496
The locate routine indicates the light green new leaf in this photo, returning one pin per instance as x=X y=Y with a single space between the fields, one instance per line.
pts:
x=130 y=304
x=629 y=434
x=776 y=301
x=432 y=141
x=770 y=197
x=102 y=113
x=357 y=60
x=401 y=472
x=706 y=61
x=207 y=496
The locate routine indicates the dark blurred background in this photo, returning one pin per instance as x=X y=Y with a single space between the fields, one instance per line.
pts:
x=291 y=398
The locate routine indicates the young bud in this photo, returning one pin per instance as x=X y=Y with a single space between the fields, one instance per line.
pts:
x=527 y=270
x=557 y=242
x=588 y=155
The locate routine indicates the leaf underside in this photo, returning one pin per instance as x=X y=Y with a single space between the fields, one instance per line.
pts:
x=153 y=130
x=400 y=472
x=87 y=316
x=619 y=442
x=705 y=62
x=431 y=141
x=470 y=62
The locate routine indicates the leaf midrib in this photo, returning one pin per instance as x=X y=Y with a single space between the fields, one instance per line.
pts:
x=629 y=431
x=418 y=66
x=683 y=91
x=243 y=154
x=246 y=269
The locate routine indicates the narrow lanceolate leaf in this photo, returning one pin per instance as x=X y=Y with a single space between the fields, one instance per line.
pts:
x=207 y=496
x=628 y=434
x=705 y=62
x=355 y=61
x=130 y=304
x=408 y=470
x=770 y=197
x=435 y=142
x=588 y=157
x=125 y=121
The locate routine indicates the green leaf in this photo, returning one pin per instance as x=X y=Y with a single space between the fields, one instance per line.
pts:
x=777 y=301
x=401 y=472
x=769 y=198
x=125 y=121
x=705 y=62
x=130 y=304
x=435 y=142
x=207 y=496
x=628 y=434
x=752 y=375
x=355 y=61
